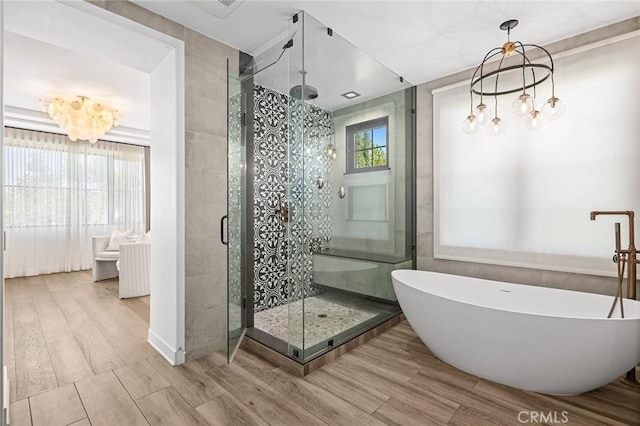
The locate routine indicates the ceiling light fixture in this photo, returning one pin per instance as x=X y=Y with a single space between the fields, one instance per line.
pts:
x=80 y=119
x=488 y=84
x=350 y=94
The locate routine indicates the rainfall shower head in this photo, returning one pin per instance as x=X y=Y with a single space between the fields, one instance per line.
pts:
x=303 y=92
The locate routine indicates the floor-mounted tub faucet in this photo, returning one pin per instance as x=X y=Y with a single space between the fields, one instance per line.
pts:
x=628 y=256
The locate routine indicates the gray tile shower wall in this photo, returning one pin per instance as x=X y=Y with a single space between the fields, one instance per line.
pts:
x=290 y=154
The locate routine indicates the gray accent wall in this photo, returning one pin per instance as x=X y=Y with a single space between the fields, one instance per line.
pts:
x=425 y=259
x=205 y=176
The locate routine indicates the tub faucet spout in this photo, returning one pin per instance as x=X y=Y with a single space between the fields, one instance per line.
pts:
x=628 y=256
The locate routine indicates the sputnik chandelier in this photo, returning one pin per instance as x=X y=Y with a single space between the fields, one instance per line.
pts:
x=486 y=82
x=79 y=119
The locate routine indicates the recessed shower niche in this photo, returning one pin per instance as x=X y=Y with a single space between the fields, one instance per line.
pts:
x=321 y=166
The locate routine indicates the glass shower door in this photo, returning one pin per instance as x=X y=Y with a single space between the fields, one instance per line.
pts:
x=236 y=175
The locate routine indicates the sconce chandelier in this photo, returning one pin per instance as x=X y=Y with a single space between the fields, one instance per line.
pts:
x=79 y=119
x=487 y=83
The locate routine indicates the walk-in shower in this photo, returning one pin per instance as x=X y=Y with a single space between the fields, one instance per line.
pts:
x=321 y=143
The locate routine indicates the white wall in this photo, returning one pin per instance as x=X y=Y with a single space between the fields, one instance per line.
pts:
x=166 y=328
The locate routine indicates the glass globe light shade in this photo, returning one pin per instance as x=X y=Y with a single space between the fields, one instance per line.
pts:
x=483 y=114
x=470 y=124
x=533 y=120
x=553 y=109
x=496 y=127
x=522 y=106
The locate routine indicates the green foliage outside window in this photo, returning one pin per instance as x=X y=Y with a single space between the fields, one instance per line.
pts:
x=367 y=145
x=368 y=153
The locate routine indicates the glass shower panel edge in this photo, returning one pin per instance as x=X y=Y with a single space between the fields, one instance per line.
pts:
x=236 y=175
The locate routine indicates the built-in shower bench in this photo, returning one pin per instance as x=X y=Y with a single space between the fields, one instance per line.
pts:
x=358 y=272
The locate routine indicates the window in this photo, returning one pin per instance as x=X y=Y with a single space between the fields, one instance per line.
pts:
x=523 y=198
x=368 y=146
x=58 y=194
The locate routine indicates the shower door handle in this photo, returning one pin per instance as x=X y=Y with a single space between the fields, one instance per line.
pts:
x=225 y=217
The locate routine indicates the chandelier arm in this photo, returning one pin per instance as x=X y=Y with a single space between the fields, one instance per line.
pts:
x=496 y=89
x=494 y=52
x=490 y=54
x=471 y=85
x=533 y=71
x=553 y=91
x=544 y=50
x=524 y=59
x=471 y=103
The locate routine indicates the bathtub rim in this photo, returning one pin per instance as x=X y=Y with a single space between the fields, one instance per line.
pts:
x=626 y=319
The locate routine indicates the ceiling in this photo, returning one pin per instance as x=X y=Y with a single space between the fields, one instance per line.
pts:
x=54 y=49
x=35 y=70
x=420 y=40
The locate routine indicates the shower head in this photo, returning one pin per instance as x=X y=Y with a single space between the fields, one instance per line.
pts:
x=303 y=92
x=286 y=46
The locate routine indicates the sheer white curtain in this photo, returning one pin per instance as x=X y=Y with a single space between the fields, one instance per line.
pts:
x=59 y=193
x=523 y=198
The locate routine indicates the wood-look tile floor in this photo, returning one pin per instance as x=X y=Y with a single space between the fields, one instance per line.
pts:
x=78 y=355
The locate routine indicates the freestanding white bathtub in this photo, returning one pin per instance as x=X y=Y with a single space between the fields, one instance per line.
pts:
x=534 y=338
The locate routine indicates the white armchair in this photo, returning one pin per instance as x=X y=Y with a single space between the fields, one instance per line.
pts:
x=135 y=264
x=104 y=262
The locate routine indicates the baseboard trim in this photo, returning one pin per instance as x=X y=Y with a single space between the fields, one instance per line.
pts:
x=173 y=356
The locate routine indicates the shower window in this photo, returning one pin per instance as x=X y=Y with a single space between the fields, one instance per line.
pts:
x=368 y=146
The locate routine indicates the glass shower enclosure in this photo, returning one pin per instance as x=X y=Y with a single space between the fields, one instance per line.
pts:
x=321 y=166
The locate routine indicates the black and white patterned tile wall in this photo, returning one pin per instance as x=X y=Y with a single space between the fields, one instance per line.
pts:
x=290 y=154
